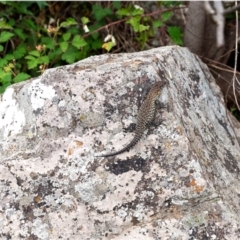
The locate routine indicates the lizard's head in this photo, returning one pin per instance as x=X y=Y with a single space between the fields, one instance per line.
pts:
x=157 y=87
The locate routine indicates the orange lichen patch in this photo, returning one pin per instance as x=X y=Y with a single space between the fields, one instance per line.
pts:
x=179 y=130
x=70 y=151
x=78 y=143
x=168 y=145
x=174 y=210
x=37 y=199
x=82 y=117
x=160 y=191
x=197 y=188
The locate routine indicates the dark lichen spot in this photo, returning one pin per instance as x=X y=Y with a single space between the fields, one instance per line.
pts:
x=120 y=167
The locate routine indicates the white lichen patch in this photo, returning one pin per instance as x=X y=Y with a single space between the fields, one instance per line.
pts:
x=40 y=229
x=12 y=118
x=39 y=93
x=119 y=193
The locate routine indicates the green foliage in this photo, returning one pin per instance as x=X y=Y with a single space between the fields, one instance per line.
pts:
x=29 y=45
x=143 y=26
x=135 y=23
x=85 y=20
x=5 y=36
x=175 y=34
x=166 y=16
x=99 y=13
x=170 y=3
x=78 y=42
x=157 y=23
x=27 y=48
x=116 y=4
x=68 y=22
x=4 y=25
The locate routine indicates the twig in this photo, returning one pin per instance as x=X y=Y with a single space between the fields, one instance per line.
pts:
x=236 y=57
x=230 y=10
x=218 y=18
x=125 y=19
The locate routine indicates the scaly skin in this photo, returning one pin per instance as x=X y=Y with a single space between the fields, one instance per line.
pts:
x=145 y=117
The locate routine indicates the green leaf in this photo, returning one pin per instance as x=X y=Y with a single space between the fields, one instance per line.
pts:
x=22 y=7
x=49 y=42
x=32 y=63
x=157 y=23
x=66 y=36
x=2 y=73
x=29 y=24
x=34 y=53
x=95 y=35
x=175 y=34
x=168 y=4
x=166 y=16
x=42 y=4
x=3 y=88
x=116 y=4
x=43 y=59
x=143 y=28
x=78 y=42
x=11 y=22
x=30 y=57
x=21 y=77
x=73 y=30
x=96 y=44
x=64 y=46
x=3 y=62
x=71 y=54
x=85 y=20
x=9 y=57
x=55 y=54
x=9 y=67
x=5 y=36
x=4 y=25
x=99 y=13
x=19 y=32
x=108 y=46
x=134 y=22
x=20 y=51
x=5 y=77
x=124 y=12
x=137 y=12
x=68 y=22
x=1 y=48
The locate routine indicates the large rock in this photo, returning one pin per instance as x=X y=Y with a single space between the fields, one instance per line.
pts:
x=181 y=181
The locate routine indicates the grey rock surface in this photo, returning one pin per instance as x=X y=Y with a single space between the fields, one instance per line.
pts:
x=181 y=181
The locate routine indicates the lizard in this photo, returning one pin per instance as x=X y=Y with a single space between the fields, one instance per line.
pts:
x=145 y=117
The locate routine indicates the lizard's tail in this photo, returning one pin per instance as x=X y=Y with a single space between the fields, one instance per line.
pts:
x=126 y=148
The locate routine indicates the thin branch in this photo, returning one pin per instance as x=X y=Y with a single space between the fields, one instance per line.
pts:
x=125 y=19
x=220 y=68
x=236 y=57
x=220 y=20
x=219 y=76
x=230 y=10
x=208 y=8
x=219 y=64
